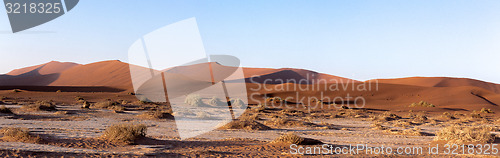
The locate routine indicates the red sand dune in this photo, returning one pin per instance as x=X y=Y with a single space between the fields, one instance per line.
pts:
x=397 y=97
x=47 y=68
x=117 y=74
x=276 y=76
x=443 y=82
x=447 y=93
x=107 y=73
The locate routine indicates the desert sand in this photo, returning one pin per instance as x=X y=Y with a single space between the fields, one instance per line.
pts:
x=47 y=101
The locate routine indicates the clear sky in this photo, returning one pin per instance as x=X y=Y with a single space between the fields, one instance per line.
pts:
x=349 y=38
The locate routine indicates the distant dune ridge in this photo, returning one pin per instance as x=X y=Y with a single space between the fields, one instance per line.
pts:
x=449 y=93
x=443 y=82
x=116 y=74
x=44 y=69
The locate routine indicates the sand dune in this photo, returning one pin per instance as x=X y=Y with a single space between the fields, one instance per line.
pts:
x=107 y=73
x=289 y=75
x=393 y=92
x=443 y=82
x=393 y=96
x=44 y=69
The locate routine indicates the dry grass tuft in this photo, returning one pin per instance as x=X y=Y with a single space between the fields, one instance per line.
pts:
x=16 y=134
x=274 y=100
x=157 y=114
x=386 y=116
x=5 y=110
x=85 y=105
x=291 y=138
x=291 y=112
x=447 y=115
x=422 y=104
x=413 y=132
x=124 y=133
x=248 y=116
x=461 y=134
x=378 y=126
x=111 y=105
x=78 y=98
x=40 y=106
x=105 y=104
x=350 y=113
x=484 y=110
x=246 y=125
x=284 y=121
x=261 y=108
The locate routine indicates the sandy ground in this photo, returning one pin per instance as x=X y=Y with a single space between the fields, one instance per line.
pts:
x=75 y=133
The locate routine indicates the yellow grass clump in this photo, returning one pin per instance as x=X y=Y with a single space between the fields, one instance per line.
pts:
x=462 y=134
x=16 y=134
x=484 y=110
x=291 y=138
x=40 y=106
x=422 y=104
x=5 y=110
x=246 y=125
x=157 y=114
x=124 y=133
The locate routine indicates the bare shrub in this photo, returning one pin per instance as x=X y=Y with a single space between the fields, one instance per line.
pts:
x=124 y=133
x=291 y=138
x=462 y=134
x=16 y=134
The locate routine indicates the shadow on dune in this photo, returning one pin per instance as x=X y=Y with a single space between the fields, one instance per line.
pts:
x=32 y=78
x=34 y=81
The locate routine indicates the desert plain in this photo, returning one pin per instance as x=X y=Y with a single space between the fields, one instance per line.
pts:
x=71 y=110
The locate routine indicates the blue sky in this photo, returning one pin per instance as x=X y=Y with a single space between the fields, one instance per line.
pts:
x=355 y=39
